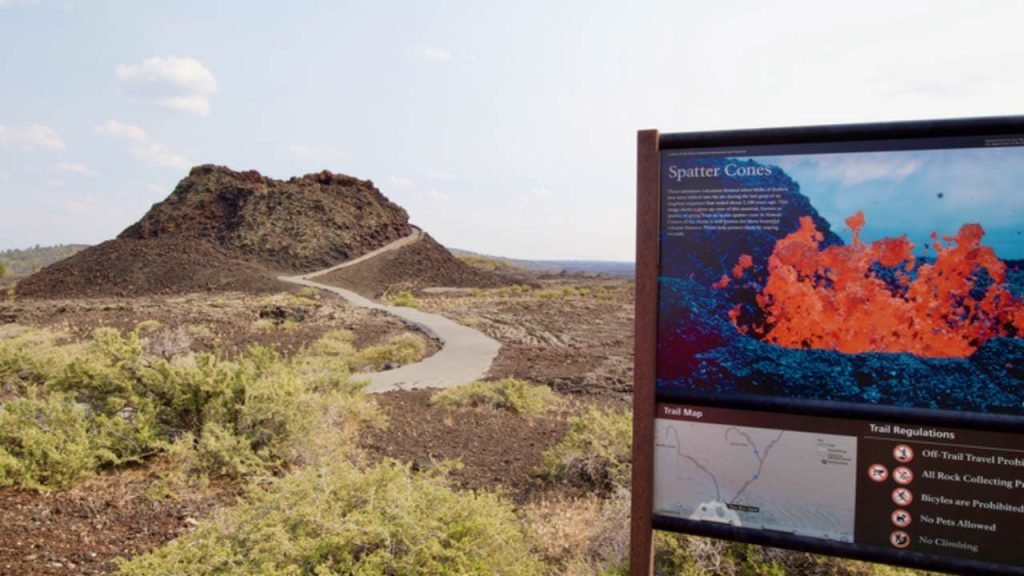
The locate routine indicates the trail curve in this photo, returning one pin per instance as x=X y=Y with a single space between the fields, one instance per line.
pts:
x=466 y=354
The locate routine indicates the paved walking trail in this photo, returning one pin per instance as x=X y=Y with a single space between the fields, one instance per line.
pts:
x=466 y=354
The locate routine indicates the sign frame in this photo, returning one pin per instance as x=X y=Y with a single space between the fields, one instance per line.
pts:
x=650 y=144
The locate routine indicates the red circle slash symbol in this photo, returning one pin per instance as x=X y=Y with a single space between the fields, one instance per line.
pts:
x=901 y=518
x=899 y=539
x=902 y=497
x=878 y=473
x=903 y=453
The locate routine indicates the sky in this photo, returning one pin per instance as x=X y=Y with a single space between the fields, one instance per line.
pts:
x=504 y=128
x=917 y=193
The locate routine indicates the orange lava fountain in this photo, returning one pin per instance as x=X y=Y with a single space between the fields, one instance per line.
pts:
x=836 y=299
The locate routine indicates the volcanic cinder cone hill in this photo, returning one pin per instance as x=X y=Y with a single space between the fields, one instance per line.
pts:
x=226 y=230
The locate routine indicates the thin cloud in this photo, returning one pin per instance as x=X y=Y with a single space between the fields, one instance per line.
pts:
x=399 y=182
x=431 y=54
x=76 y=206
x=28 y=138
x=115 y=129
x=143 y=148
x=56 y=183
x=444 y=176
x=858 y=169
x=316 y=152
x=10 y=3
x=72 y=168
x=433 y=196
x=183 y=84
x=531 y=197
x=156 y=154
x=84 y=205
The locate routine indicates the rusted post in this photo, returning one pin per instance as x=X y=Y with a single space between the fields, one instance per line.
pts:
x=641 y=555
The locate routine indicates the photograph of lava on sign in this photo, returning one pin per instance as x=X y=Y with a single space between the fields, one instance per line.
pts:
x=888 y=278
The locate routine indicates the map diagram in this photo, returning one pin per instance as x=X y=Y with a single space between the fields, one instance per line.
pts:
x=795 y=482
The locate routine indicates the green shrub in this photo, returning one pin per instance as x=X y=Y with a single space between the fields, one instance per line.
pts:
x=596 y=452
x=404 y=298
x=240 y=417
x=30 y=356
x=106 y=403
x=309 y=293
x=45 y=442
x=509 y=394
x=399 y=351
x=340 y=519
x=335 y=343
x=581 y=536
x=514 y=289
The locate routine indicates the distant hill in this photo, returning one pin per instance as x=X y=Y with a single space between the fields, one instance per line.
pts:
x=32 y=260
x=607 y=267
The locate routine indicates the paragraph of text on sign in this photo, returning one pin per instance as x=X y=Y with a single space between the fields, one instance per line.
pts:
x=723 y=209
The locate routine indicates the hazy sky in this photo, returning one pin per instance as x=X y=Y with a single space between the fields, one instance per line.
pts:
x=916 y=193
x=503 y=127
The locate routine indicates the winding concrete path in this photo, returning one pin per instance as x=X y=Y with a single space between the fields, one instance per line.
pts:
x=466 y=354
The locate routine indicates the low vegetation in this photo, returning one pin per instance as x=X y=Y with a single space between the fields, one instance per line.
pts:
x=398 y=351
x=596 y=453
x=82 y=407
x=511 y=394
x=559 y=292
x=404 y=298
x=341 y=518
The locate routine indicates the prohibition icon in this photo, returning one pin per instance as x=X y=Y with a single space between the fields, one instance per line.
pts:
x=903 y=475
x=878 y=473
x=903 y=453
x=902 y=497
x=901 y=518
x=899 y=539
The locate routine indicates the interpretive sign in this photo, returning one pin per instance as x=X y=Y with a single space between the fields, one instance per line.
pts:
x=830 y=341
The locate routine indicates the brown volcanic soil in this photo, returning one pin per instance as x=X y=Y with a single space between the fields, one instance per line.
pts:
x=497 y=449
x=573 y=333
x=421 y=264
x=84 y=530
x=158 y=266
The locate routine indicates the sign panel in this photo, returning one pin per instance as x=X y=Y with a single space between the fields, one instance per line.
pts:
x=833 y=327
x=934 y=490
x=882 y=273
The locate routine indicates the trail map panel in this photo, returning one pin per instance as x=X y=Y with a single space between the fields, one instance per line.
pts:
x=795 y=482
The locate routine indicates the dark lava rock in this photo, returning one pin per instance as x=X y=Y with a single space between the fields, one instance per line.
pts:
x=301 y=224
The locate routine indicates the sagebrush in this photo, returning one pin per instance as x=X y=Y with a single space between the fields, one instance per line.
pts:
x=510 y=394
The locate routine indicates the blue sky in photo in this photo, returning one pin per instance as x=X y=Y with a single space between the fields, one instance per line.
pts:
x=918 y=192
